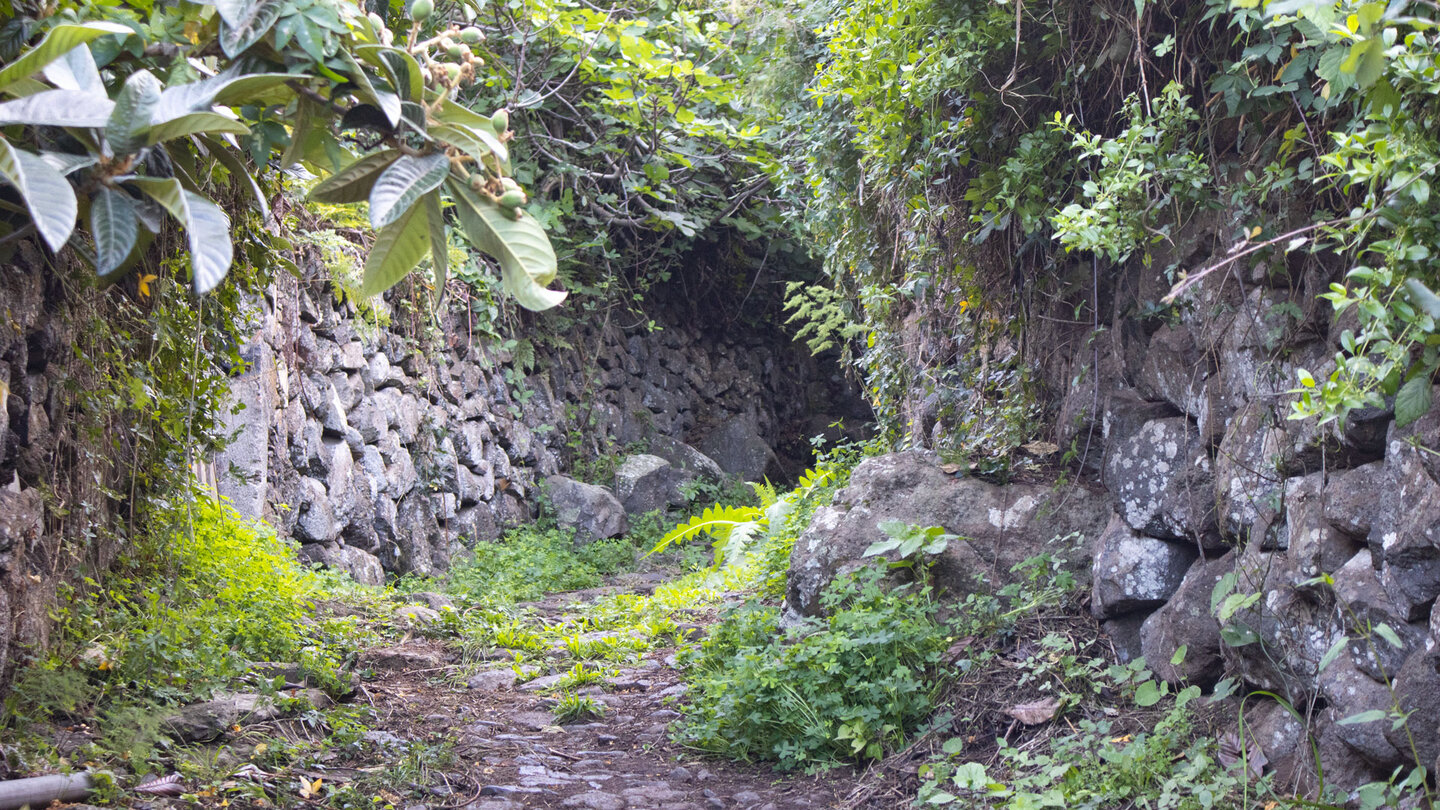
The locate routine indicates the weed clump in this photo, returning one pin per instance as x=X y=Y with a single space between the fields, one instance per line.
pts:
x=851 y=685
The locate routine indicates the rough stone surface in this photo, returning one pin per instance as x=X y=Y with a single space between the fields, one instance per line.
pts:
x=1003 y=526
x=361 y=565
x=1161 y=483
x=737 y=446
x=1405 y=531
x=592 y=511
x=1132 y=572
x=645 y=483
x=1186 y=621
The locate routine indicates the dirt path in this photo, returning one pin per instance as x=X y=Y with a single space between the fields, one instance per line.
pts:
x=512 y=754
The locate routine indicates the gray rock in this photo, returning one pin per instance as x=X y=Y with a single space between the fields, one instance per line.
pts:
x=595 y=800
x=22 y=518
x=317 y=522
x=470 y=441
x=1002 y=526
x=737 y=446
x=1350 y=692
x=1293 y=627
x=1417 y=691
x=1186 y=621
x=687 y=458
x=362 y=566
x=592 y=511
x=1249 y=486
x=491 y=680
x=352 y=356
x=1123 y=633
x=1313 y=545
x=645 y=483
x=1352 y=498
x=1132 y=572
x=1406 y=530
x=202 y=722
x=1161 y=483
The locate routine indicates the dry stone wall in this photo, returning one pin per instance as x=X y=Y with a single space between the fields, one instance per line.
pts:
x=1204 y=481
x=379 y=455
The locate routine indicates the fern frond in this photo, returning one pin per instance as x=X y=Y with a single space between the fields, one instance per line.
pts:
x=717 y=521
x=733 y=548
x=765 y=491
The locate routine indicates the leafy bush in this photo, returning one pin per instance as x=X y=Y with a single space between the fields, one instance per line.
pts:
x=850 y=686
x=219 y=593
x=530 y=562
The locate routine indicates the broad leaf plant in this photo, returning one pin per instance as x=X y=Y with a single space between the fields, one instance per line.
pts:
x=109 y=126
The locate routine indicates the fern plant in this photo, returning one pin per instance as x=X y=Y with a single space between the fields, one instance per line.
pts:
x=733 y=528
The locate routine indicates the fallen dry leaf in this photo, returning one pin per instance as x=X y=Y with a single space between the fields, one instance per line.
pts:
x=1041 y=448
x=1036 y=712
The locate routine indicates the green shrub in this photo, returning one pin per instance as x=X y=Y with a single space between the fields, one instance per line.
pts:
x=530 y=562
x=851 y=686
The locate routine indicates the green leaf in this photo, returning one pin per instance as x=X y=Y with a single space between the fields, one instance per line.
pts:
x=1388 y=633
x=717 y=521
x=1148 y=694
x=398 y=247
x=246 y=23
x=207 y=229
x=403 y=183
x=239 y=172
x=439 y=245
x=352 y=184
x=227 y=90
x=404 y=72
x=1224 y=689
x=1412 y=401
x=476 y=142
x=134 y=109
x=58 y=108
x=47 y=195
x=527 y=262
x=67 y=162
x=60 y=41
x=195 y=124
x=1179 y=657
x=383 y=100
x=1334 y=652
x=1363 y=717
x=75 y=70
x=112 y=223
x=1238 y=635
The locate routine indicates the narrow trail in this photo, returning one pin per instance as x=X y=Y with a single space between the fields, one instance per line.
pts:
x=512 y=753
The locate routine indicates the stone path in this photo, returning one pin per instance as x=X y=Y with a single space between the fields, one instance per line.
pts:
x=515 y=756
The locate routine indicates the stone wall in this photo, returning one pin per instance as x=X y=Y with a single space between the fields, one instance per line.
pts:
x=1179 y=417
x=379 y=454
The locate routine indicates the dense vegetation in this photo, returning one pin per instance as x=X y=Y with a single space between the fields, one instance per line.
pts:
x=957 y=165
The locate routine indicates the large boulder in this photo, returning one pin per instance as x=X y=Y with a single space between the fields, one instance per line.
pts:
x=645 y=483
x=684 y=457
x=1132 y=572
x=592 y=511
x=737 y=446
x=1249 y=486
x=1001 y=526
x=1186 y=621
x=1161 y=482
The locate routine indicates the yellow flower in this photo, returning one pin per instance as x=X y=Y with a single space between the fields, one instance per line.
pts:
x=145 y=279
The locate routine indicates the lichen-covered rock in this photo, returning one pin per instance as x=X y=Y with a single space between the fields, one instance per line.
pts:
x=1365 y=604
x=1312 y=544
x=1349 y=691
x=1352 y=498
x=1249 y=487
x=1186 y=621
x=1405 y=531
x=1417 y=692
x=1002 y=526
x=645 y=483
x=592 y=511
x=1132 y=572
x=1161 y=483
x=1292 y=628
